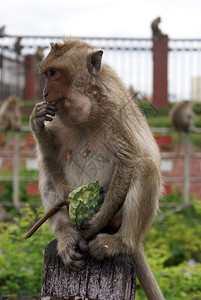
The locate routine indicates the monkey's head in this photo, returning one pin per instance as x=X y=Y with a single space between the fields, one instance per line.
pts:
x=182 y=116
x=71 y=69
x=12 y=102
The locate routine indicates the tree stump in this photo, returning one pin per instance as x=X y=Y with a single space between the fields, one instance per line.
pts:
x=111 y=279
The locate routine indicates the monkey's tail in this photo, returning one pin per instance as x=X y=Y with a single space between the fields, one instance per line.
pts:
x=146 y=277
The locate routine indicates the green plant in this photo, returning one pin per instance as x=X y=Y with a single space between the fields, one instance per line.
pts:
x=170 y=246
x=196 y=108
x=21 y=261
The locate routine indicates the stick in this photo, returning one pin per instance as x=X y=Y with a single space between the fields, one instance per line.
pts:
x=46 y=216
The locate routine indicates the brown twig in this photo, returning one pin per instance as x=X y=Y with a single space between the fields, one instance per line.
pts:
x=46 y=216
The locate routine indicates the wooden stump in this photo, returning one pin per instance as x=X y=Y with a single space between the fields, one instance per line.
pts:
x=111 y=279
x=42 y=298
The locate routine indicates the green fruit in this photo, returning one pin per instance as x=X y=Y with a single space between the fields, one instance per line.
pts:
x=85 y=201
x=55 y=102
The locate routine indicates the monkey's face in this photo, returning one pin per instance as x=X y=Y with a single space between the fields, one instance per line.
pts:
x=12 y=103
x=70 y=70
x=71 y=106
x=56 y=87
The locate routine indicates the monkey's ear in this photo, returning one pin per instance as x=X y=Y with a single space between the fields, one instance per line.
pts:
x=94 y=61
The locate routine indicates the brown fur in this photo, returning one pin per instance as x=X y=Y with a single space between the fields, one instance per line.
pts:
x=96 y=112
x=10 y=114
x=155 y=29
x=182 y=116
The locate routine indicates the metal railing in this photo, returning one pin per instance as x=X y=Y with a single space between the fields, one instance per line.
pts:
x=15 y=178
x=187 y=179
x=186 y=155
x=184 y=69
x=131 y=58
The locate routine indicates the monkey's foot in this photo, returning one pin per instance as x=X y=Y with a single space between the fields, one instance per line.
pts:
x=105 y=245
x=72 y=252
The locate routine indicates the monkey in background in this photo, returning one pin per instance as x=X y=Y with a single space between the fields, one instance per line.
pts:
x=10 y=115
x=156 y=31
x=95 y=132
x=182 y=116
x=182 y=119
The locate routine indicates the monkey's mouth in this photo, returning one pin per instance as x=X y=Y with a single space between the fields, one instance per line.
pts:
x=55 y=102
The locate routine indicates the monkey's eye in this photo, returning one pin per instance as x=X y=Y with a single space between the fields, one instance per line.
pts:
x=50 y=72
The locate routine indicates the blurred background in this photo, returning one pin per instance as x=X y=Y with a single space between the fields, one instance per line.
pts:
x=155 y=48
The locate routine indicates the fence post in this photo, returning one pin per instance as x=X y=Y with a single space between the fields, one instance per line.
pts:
x=31 y=90
x=160 y=70
x=16 y=200
x=111 y=279
x=187 y=169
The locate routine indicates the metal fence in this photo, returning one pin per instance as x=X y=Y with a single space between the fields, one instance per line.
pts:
x=16 y=156
x=11 y=73
x=184 y=69
x=132 y=58
x=186 y=180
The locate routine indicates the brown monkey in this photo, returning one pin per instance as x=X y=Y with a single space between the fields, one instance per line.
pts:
x=182 y=119
x=94 y=131
x=182 y=116
x=155 y=29
x=2 y=31
x=10 y=114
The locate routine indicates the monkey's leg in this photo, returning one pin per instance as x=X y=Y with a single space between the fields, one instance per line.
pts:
x=54 y=188
x=138 y=211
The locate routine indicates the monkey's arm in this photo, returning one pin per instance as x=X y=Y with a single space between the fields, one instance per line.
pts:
x=51 y=178
x=42 y=112
x=54 y=188
x=115 y=196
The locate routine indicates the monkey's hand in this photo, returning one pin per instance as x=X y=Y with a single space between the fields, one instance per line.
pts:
x=93 y=226
x=72 y=250
x=42 y=112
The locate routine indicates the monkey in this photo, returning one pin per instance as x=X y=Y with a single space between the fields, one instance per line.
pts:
x=87 y=128
x=182 y=116
x=156 y=31
x=18 y=46
x=2 y=31
x=39 y=53
x=182 y=119
x=10 y=115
